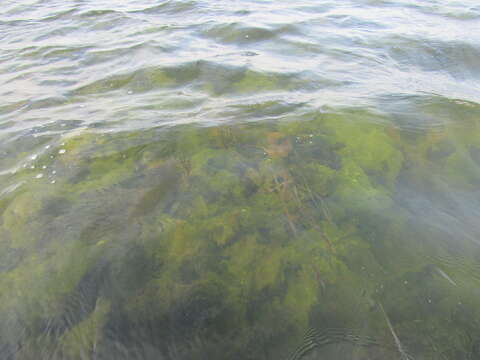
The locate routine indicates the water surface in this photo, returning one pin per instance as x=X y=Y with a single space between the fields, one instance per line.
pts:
x=239 y=180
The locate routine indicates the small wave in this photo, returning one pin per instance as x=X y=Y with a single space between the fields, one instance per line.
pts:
x=169 y=7
x=98 y=13
x=458 y=59
x=355 y=22
x=261 y=108
x=11 y=107
x=428 y=111
x=53 y=51
x=210 y=76
x=97 y=56
x=238 y=33
x=59 y=32
x=139 y=81
x=456 y=11
x=61 y=15
x=47 y=102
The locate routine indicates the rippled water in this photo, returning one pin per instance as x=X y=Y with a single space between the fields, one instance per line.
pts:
x=215 y=179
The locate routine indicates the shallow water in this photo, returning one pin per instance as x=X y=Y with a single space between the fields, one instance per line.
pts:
x=214 y=180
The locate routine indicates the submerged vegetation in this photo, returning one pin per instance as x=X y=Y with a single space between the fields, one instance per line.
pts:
x=230 y=242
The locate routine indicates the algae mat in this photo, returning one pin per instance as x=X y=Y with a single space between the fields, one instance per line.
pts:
x=230 y=241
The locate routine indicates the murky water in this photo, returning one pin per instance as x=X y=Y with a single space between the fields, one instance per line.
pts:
x=240 y=179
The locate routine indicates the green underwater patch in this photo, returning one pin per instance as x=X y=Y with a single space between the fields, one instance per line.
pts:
x=245 y=235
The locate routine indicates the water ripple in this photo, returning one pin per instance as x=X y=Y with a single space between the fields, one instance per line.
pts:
x=102 y=64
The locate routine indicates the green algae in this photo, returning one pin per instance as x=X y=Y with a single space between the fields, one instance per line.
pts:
x=19 y=218
x=230 y=231
x=368 y=146
x=84 y=337
x=253 y=81
x=138 y=81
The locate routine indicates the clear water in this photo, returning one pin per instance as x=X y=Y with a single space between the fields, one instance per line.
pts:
x=240 y=179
